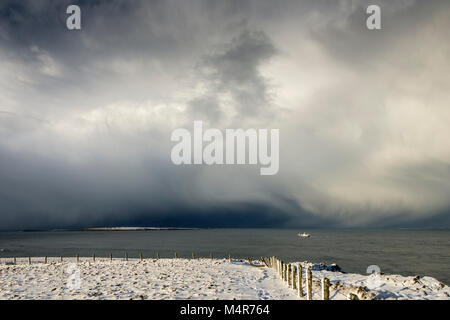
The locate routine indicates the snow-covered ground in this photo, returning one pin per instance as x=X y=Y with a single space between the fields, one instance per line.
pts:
x=191 y=279
x=378 y=286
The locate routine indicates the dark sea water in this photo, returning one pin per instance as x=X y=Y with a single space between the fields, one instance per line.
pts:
x=406 y=252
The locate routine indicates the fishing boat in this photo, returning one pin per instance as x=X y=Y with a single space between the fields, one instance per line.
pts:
x=304 y=235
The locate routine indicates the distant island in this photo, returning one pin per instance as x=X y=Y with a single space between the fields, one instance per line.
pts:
x=135 y=229
x=115 y=229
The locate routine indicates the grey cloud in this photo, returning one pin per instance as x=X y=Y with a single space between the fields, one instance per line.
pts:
x=86 y=116
x=346 y=39
x=235 y=70
x=205 y=107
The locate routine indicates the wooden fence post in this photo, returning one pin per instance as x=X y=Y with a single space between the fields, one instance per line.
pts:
x=193 y=255
x=93 y=257
x=61 y=259
x=126 y=256
x=45 y=261
x=176 y=255
x=110 y=256
x=282 y=270
x=309 y=283
x=229 y=257
x=15 y=261
x=286 y=279
x=289 y=275
x=325 y=289
x=300 y=280
x=294 y=277
x=285 y=272
x=211 y=255
x=157 y=255
x=29 y=260
x=140 y=256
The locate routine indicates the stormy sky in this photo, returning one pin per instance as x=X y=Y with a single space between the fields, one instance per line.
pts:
x=86 y=115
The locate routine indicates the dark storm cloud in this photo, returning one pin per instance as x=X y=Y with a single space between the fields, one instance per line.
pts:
x=43 y=193
x=237 y=215
x=86 y=116
x=236 y=70
x=233 y=69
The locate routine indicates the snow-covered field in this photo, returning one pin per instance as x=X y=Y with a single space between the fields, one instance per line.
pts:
x=191 y=279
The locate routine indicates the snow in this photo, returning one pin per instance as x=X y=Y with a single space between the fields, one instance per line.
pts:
x=192 y=279
x=378 y=286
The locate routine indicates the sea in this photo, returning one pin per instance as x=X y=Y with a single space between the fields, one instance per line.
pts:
x=401 y=251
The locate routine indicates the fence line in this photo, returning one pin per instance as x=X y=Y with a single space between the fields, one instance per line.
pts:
x=94 y=257
x=292 y=276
